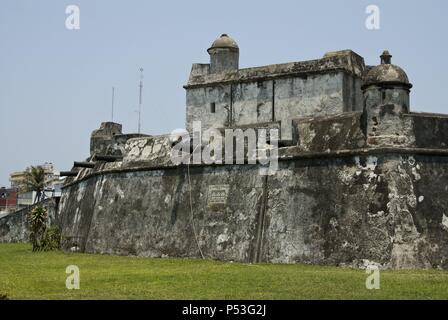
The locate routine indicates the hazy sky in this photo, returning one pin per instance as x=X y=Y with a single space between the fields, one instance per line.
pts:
x=55 y=83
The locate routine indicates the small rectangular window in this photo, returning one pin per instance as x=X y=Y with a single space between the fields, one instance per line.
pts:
x=212 y=107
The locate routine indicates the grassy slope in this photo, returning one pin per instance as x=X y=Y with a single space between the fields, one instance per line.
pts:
x=27 y=275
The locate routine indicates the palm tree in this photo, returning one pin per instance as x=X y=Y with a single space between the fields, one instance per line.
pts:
x=35 y=180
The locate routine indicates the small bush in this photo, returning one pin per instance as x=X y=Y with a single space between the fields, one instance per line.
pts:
x=42 y=236
x=38 y=224
x=3 y=296
x=51 y=239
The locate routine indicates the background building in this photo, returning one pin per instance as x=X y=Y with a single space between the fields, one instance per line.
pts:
x=8 y=200
x=53 y=185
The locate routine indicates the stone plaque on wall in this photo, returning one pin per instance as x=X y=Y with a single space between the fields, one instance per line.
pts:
x=217 y=194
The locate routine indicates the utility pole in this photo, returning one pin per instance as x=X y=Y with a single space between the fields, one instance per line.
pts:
x=140 y=101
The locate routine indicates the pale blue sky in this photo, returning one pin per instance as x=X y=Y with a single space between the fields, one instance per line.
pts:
x=55 y=84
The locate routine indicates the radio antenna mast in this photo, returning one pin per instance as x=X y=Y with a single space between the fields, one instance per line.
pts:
x=140 y=101
x=113 y=98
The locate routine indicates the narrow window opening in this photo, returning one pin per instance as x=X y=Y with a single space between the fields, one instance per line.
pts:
x=212 y=107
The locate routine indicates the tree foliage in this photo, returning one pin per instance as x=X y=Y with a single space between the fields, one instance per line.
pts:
x=35 y=180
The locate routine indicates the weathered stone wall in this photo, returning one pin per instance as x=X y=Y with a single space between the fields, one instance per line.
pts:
x=253 y=102
x=325 y=134
x=316 y=95
x=14 y=227
x=430 y=130
x=109 y=140
x=280 y=92
x=339 y=210
x=272 y=100
x=103 y=138
x=108 y=215
x=380 y=208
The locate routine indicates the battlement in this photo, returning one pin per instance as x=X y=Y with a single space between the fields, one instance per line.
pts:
x=349 y=133
x=345 y=60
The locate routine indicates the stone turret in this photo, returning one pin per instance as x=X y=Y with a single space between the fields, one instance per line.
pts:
x=224 y=54
x=386 y=99
x=103 y=137
x=386 y=84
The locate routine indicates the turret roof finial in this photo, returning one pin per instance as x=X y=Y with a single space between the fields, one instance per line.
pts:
x=386 y=57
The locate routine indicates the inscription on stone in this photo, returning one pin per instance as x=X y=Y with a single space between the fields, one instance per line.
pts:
x=217 y=194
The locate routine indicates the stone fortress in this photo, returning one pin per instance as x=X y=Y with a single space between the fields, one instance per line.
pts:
x=361 y=179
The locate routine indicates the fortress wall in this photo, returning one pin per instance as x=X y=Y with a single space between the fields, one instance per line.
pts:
x=311 y=95
x=385 y=209
x=198 y=106
x=353 y=96
x=252 y=102
x=14 y=227
x=148 y=213
x=389 y=209
x=429 y=130
x=77 y=212
x=323 y=134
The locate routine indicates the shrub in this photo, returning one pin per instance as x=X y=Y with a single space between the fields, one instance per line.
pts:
x=51 y=239
x=38 y=224
x=43 y=237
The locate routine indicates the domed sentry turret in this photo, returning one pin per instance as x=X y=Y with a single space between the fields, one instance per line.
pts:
x=386 y=99
x=386 y=84
x=224 y=54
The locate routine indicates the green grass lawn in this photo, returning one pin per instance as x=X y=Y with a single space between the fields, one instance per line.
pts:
x=28 y=275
